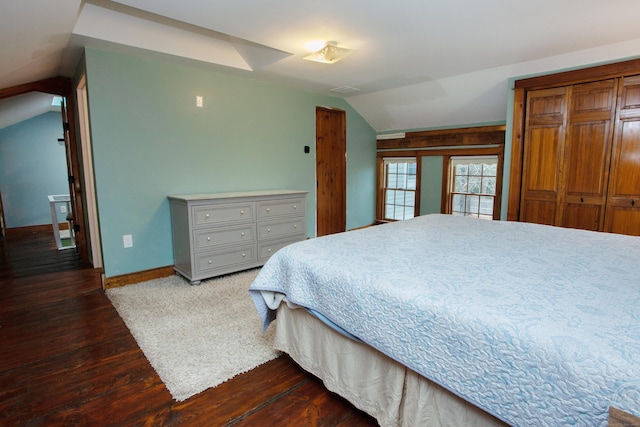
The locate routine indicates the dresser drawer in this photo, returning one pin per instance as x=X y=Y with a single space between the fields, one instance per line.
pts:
x=266 y=249
x=217 y=260
x=213 y=214
x=209 y=237
x=284 y=207
x=284 y=228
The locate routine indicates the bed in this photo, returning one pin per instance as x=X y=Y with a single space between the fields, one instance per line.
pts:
x=421 y=321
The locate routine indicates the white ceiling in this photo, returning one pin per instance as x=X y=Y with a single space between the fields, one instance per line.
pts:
x=418 y=63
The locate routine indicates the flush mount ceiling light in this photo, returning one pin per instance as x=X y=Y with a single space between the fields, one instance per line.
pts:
x=329 y=54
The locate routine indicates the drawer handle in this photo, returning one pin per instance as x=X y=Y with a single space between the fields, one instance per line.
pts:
x=269 y=250
x=268 y=230
x=241 y=212
x=208 y=239
x=295 y=225
x=210 y=262
x=206 y=216
x=244 y=255
x=268 y=210
x=295 y=207
x=242 y=234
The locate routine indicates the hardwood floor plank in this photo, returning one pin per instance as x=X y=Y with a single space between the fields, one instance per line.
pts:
x=67 y=358
x=308 y=405
x=64 y=387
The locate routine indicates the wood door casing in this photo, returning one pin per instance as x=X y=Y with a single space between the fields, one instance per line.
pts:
x=331 y=171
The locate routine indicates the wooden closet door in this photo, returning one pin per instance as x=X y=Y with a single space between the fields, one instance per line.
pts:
x=587 y=149
x=623 y=203
x=543 y=155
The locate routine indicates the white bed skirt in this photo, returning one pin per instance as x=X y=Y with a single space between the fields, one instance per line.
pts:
x=385 y=389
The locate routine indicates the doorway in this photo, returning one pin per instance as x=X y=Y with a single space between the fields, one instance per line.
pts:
x=62 y=87
x=331 y=171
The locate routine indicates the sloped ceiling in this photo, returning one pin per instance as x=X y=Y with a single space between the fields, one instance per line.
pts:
x=418 y=63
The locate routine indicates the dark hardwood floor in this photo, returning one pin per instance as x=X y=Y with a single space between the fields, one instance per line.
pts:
x=66 y=358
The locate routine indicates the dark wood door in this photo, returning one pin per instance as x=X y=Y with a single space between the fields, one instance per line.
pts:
x=331 y=171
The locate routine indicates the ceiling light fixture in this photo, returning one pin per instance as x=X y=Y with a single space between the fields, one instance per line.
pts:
x=329 y=54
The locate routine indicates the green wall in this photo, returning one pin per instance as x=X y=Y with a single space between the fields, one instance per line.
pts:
x=33 y=165
x=431 y=185
x=150 y=140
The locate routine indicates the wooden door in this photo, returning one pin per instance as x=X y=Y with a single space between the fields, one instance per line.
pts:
x=331 y=171
x=623 y=201
x=543 y=155
x=587 y=149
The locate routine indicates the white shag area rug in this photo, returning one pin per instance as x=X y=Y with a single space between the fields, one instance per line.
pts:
x=195 y=336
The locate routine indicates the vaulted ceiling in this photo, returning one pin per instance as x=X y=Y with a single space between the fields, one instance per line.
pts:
x=417 y=63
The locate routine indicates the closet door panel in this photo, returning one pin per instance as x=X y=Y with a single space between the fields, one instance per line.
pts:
x=587 y=154
x=624 y=220
x=542 y=156
x=627 y=160
x=539 y=212
x=585 y=216
x=623 y=203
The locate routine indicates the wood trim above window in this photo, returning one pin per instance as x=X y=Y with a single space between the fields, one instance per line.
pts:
x=479 y=135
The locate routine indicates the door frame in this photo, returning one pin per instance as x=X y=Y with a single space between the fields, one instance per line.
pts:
x=95 y=241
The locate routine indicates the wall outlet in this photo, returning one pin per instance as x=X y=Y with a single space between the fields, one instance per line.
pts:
x=127 y=240
x=199 y=101
x=63 y=209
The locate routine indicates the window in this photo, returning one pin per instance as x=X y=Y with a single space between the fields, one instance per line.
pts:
x=399 y=188
x=473 y=186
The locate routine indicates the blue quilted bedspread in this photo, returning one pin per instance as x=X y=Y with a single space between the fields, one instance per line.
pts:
x=536 y=325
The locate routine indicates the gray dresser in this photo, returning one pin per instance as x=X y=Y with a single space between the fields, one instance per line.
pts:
x=220 y=233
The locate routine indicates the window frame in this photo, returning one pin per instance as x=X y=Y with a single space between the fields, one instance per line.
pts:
x=381 y=200
x=468 y=160
x=446 y=177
